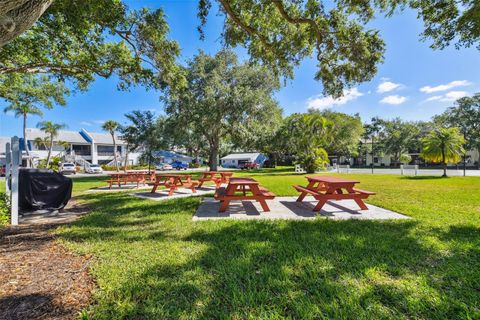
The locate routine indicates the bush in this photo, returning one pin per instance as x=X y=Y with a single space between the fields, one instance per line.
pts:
x=54 y=163
x=313 y=160
x=194 y=165
x=4 y=209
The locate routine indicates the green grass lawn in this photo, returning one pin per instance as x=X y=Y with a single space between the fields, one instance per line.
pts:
x=152 y=262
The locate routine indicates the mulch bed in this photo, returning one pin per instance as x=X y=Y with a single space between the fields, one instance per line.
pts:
x=40 y=279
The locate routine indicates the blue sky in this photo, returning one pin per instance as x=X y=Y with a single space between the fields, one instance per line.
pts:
x=414 y=83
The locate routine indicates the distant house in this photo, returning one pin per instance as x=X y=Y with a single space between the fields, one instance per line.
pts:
x=171 y=156
x=235 y=160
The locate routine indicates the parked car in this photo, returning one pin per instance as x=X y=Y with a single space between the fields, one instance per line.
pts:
x=94 y=168
x=3 y=171
x=164 y=167
x=248 y=165
x=178 y=165
x=67 y=168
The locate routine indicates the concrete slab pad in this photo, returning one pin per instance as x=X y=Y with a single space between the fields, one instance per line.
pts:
x=162 y=194
x=287 y=208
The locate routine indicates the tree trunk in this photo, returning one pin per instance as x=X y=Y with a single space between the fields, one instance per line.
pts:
x=17 y=16
x=444 y=163
x=49 y=152
x=373 y=155
x=115 y=152
x=212 y=157
x=126 y=160
x=478 y=163
x=25 y=144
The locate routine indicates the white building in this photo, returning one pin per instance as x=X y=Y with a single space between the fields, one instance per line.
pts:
x=83 y=147
x=234 y=160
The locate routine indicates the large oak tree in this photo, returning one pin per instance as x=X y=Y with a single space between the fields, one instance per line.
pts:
x=279 y=33
x=223 y=99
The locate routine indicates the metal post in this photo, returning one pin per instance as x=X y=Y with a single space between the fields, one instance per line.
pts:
x=15 y=162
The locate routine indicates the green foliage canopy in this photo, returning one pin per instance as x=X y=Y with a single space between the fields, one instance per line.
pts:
x=223 y=100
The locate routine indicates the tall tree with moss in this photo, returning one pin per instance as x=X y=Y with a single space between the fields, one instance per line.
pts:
x=78 y=41
x=444 y=145
x=278 y=33
x=51 y=130
x=223 y=99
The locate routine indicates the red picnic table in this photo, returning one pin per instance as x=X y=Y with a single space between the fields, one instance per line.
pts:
x=138 y=177
x=218 y=177
x=173 y=182
x=332 y=188
x=243 y=189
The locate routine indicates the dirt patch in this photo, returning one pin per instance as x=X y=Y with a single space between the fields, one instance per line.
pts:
x=40 y=279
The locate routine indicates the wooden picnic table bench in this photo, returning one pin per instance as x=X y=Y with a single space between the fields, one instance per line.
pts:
x=324 y=189
x=217 y=177
x=173 y=182
x=243 y=189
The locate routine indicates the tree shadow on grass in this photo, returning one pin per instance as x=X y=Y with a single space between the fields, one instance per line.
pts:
x=293 y=269
x=348 y=269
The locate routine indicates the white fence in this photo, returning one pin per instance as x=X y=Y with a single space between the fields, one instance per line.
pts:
x=408 y=169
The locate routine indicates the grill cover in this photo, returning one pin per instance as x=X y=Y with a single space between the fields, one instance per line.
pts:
x=43 y=189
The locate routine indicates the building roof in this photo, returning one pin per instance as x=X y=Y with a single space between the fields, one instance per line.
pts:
x=63 y=135
x=241 y=156
x=104 y=138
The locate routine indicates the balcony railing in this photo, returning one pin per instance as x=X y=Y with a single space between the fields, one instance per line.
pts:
x=105 y=154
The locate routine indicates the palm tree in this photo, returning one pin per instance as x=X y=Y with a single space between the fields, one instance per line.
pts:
x=111 y=126
x=42 y=142
x=23 y=110
x=443 y=145
x=51 y=129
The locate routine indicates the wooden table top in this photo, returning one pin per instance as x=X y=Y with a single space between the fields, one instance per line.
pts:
x=327 y=179
x=243 y=181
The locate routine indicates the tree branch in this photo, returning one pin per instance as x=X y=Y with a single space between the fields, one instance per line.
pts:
x=229 y=10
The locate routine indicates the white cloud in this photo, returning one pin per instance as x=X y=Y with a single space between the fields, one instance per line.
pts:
x=388 y=86
x=445 y=87
x=395 y=100
x=434 y=98
x=100 y=122
x=454 y=95
x=320 y=103
x=448 y=97
x=86 y=123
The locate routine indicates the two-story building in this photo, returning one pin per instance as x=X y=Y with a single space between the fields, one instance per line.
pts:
x=79 y=146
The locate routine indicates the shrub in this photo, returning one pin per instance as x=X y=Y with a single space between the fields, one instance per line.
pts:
x=313 y=159
x=4 y=209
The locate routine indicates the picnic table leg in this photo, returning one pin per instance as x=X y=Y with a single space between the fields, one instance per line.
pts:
x=154 y=189
x=264 y=205
x=172 y=190
x=361 y=204
x=320 y=205
x=224 y=205
x=304 y=194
